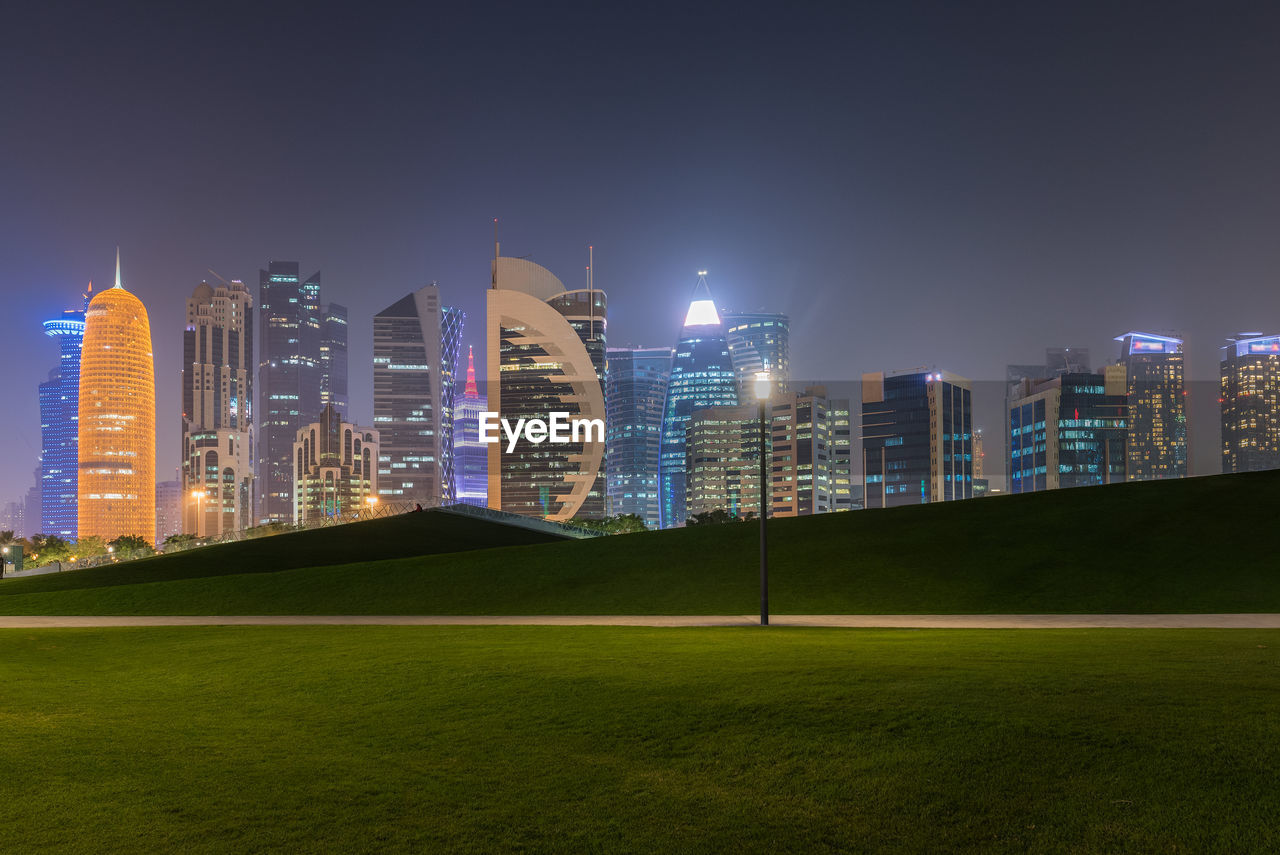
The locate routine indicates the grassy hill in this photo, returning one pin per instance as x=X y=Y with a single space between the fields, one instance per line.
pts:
x=1198 y=545
x=406 y=535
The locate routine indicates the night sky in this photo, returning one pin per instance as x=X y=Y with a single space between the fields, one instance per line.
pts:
x=953 y=184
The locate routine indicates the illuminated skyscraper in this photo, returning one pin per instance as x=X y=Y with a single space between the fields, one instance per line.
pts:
x=722 y=469
x=117 y=479
x=60 y=428
x=415 y=360
x=811 y=466
x=1069 y=431
x=1157 y=442
x=290 y=379
x=702 y=375
x=217 y=410
x=917 y=438
x=758 y=341
x=470 y=456
x=635 y=393
x=333 y=355
x=1250 y=402
x=546 y=352
x=334 y=467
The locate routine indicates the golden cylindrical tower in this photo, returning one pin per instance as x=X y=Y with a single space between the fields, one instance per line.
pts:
x=117 y=418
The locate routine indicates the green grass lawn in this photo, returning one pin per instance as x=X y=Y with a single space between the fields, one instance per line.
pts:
x=1156 y=547
x=341 y=739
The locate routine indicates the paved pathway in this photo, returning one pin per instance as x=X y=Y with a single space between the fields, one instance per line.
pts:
x=1207 y=621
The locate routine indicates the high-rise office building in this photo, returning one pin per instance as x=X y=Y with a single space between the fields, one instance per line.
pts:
x=415 y=360
x=470 y=456
x=811 y=466
x=60 y=427
x=335 y=468
x=289 y=379
x=809 y=462
x=636 y=391
x=169 y=502
x=13 y=518
x=333 y=355
x=722 y=469
x=1157 y=441
x=917 y=438
x=1250 y=403
x=545 y=348
x=702 y=375
x=117 y=475
x=217 y=410
x=1069 y=431
x=758 y=341
x=979 y=453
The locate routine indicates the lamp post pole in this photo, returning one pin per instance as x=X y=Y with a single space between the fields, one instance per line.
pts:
x=762 y=395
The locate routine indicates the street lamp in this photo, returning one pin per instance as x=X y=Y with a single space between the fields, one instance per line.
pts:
x=197 y=495
x=764 y=386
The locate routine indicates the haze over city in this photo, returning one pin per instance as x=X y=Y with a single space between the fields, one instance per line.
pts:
x=919 y=184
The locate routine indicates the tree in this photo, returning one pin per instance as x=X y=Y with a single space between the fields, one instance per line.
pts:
x=619 y=524
x=46 y=549
x=716 y=517
x=89 y=546
x=131 y=543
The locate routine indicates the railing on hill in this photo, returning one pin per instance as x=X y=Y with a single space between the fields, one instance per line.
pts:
x=378 y=511
x=519 y=521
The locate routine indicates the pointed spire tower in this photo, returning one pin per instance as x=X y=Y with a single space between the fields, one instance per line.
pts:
x=702 y=375
x=117 y=423
x=470 y=389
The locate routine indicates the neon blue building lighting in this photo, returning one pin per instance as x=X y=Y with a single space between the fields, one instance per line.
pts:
x=60 y=428
x=702 y=375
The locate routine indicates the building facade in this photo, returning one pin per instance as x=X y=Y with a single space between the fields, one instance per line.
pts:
x=335 y=469
x=169 y=504
x=811 y=465
x=333 y=355
x=60 y=427
x=415 y=360
x=758 y=341
x=702 y=375
x=636 y=391
x=545 y=349
x=917 y=438
x=722 y=469
x=289 y=380
x=1070 y=431
x=470 y=456
x=1157 y=441
x=1249 y=399
x=117 y=448
x=217 y=410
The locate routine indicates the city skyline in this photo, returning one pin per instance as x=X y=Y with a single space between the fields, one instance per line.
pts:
x=876 y=190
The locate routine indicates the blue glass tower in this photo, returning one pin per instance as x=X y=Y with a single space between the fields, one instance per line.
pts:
x=60 y=428
x=635 y=394
x=702 y=375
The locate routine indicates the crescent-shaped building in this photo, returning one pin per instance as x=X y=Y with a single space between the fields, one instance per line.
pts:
x=117 y=479
x=546 y=354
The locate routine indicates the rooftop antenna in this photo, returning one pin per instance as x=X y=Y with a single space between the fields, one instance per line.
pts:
x=219 y=278
x=495 y=253
x=591 y=294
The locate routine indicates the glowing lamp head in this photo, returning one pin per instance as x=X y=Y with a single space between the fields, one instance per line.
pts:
x=372 y=500
x=763 y=386
x=197 y=494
